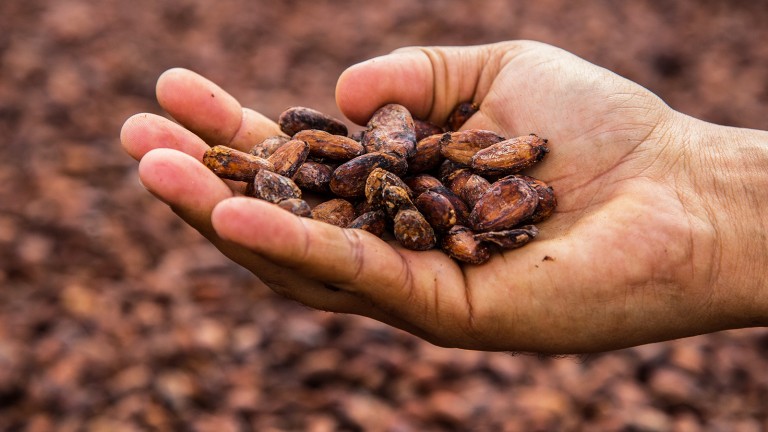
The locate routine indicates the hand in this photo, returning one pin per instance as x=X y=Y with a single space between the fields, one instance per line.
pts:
x=645 y=244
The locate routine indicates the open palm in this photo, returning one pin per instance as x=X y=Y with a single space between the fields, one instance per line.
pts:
x=613 y=267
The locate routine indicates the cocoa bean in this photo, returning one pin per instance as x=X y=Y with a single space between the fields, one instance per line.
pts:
x=421 y=183
x=297 y=206
x=510 y=156
x=424 y=128
x=337 y=211
x=462 y=145
x=472 y=188
x=437 y=210
x=462 y=211
x=509 y=239
x=287 y=159
x=314 y=176
x=377 y=180
x=460 y=244
x=427 y=155
x=391 y=130
x=348 y=180
x=265 y=148
x=547 y=201
x=395 y=198
x=323 y=145
x=375 y=222
x=234 y=164
x=508 y=202
x=413 y=231
x=296 y=119
x=273 y=187
x=460 y=114
x=447 y=168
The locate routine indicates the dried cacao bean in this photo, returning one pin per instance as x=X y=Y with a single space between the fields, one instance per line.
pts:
x=391 y=130
x=273 y=187
x=437 y=210
x=287 y=159
x=461 y=114
x=471 y=189
x=510 y=156
x=413 y=231
x=265 y=148
x=421 y=183
x=460 y=244
x=424 y=128
x=297 y=206
x=314 y=176
x=462 y=145
x=234 y=164
x=348 y=180
x=509 y=239
x=296 y=119
x=508 y=202
x=427 y=155
x=547 y=200
x=395 y=198
x=323 y=145
x=375 y=222
x=337 y=211
x=377 y=180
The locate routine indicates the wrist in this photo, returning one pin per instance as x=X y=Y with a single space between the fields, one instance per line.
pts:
x=733 y=189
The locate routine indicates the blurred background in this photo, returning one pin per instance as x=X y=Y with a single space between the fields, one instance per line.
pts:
x=115 y=316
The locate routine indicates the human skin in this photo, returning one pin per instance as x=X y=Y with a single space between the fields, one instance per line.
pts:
x=658 y=232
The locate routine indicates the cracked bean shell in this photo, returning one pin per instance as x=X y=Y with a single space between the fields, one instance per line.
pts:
x=509 y=239
x=265 y=148
x=508 y=202
x=460 y=244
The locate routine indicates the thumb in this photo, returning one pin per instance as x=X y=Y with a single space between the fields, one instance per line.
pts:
x=429 y=81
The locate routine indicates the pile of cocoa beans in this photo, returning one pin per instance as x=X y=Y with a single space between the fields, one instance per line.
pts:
x=431 y=186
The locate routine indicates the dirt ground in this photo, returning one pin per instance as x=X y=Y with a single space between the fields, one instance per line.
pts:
x=115 y=316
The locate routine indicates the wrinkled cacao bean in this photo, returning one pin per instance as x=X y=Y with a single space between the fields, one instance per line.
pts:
x=507 y=202
x=547 y=201
x=413 y=231
x=391 y=130
x=377 y=180
x=509 y=239
x=348 y=180
x=234 y=164
x=323 y=145
x=462 y=145
x=296 y=119
x=426 y=156
x=273 y=187
x=314 y=176
x=509 y=156
x=337 y=211
x=265 y=148
x=287 y=159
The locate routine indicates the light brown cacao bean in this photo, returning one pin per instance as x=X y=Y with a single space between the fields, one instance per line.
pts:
x=437 y=210
x=337 y=211
x=460 y=146
x=297 y=206
x=547 y=200
x=508 y=202
x=234 y=164
x=265 y=148
x=287 y=159
x=509 y=156
x=427 y=155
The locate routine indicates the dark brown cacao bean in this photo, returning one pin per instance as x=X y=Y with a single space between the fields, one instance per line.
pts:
x=296 y=119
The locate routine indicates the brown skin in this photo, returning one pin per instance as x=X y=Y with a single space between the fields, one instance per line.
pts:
x=659 y=231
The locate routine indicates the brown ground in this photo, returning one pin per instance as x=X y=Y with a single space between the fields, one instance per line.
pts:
x=115 y=316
